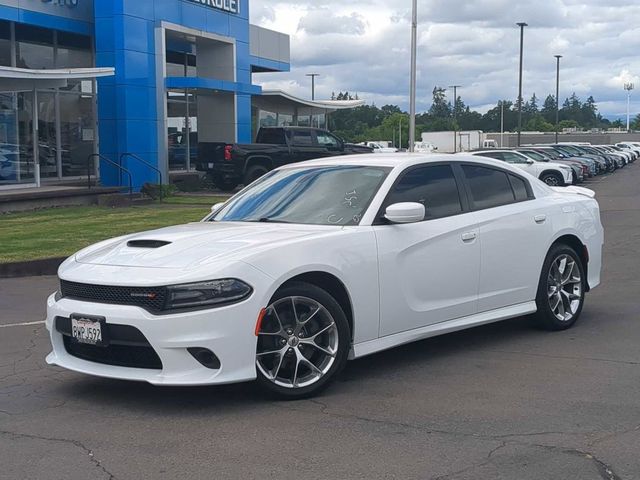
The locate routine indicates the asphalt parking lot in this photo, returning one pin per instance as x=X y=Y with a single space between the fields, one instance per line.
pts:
x=499 y=402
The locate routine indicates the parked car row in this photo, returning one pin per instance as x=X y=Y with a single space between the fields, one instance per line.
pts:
x=565 y=164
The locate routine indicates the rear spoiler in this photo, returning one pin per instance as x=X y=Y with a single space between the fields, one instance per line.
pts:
x=575 y=190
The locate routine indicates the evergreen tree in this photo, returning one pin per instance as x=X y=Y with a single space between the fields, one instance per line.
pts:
x=440 y=108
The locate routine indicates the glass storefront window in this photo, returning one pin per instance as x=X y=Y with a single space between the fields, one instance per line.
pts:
x=34 y=47
x=16 y=147
x=73 y=51
x=47 y=144
x=5 y=43
x=267 y=119
x=181 y=64
x=285 y=120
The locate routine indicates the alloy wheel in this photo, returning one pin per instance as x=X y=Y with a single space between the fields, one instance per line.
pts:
x=297 y=343
x=564 y=288
x=552 y=181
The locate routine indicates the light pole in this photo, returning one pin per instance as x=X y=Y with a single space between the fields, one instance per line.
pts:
x=521 y=25
x=412 y=92
x=455 y=102
x=501 y=123
x=628 y=87
x=313 y=84
x=558 y=57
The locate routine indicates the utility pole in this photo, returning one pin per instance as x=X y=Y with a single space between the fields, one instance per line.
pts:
x=455 y=129
x=501 y=123
x=521 y=25
x=628 y=87
x=313 y=84
x=558 y=57
x=414 y=74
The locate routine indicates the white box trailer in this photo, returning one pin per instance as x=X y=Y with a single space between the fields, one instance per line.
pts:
x=463 y=141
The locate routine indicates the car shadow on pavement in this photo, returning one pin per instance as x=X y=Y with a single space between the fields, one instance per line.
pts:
x=137 y=396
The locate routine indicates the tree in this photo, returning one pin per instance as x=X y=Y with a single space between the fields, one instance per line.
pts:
x=549 y=109
x=635 y=124
x=440 y=108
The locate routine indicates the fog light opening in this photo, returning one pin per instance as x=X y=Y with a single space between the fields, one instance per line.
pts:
x=206 y=357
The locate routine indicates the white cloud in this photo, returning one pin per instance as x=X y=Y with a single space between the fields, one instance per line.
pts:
x=363 y=46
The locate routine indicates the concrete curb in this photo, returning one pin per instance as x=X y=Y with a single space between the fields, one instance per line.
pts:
x=34 y=268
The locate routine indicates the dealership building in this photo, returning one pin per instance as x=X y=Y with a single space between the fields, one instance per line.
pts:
x=88 y=84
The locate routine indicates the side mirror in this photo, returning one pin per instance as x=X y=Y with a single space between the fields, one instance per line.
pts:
x=530 y=162
x=409 y=212
x=217 y=207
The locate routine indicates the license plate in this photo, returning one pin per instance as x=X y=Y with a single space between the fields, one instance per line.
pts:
x=87 y=330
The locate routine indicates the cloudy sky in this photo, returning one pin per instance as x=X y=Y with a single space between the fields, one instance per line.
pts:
x=363 y=46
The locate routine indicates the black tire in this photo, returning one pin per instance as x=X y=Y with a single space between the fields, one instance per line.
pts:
x=225 y=185
x=553 y=179
x=316 y=294
x=254 y=173
x=545 y=316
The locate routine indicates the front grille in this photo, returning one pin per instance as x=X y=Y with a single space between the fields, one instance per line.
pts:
x=151 y=299
x=127 y=347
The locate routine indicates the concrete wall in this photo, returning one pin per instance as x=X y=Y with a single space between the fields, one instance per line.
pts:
x=511 y=139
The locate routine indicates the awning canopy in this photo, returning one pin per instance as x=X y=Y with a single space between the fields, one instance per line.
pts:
x=24 y=79
x=282 y=102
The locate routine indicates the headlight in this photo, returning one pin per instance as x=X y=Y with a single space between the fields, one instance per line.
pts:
x=206 y=294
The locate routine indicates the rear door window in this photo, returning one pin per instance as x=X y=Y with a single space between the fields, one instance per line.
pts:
x=302 y=138
x=489 y=187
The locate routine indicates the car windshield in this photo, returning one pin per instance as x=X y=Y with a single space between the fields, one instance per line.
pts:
x=329 y=195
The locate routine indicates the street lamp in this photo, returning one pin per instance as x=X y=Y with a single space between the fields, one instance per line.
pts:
x=558 y=57
x=412 y=89
x=313 y=84
x=521 y=25
x=455 y=102
x=628 y=87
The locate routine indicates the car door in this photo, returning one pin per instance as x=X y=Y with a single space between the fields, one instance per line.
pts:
x=330 y=144
x=428 y=270
x=304 y=146
x=514 y=233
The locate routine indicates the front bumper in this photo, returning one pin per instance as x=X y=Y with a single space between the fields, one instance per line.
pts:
x=228 y=332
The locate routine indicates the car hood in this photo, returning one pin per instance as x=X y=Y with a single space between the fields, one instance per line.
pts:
x=193 y=245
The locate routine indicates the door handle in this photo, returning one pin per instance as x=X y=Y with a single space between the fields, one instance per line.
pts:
x=540 y=219
x=469 y=236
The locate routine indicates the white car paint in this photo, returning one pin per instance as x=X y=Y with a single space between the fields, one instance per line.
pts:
x=537 y=169
x=405 y=282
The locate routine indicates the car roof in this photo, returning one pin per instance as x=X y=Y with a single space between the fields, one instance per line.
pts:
x=398 y=160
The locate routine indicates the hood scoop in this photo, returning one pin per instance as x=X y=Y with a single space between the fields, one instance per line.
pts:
x=147 y=243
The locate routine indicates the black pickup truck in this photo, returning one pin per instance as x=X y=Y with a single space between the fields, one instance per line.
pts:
x=232 y=164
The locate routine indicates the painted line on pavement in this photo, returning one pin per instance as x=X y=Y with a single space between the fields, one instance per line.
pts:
x=27 y=324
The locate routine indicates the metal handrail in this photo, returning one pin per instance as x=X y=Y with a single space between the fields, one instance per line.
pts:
x=143 y=161
x=108 y=160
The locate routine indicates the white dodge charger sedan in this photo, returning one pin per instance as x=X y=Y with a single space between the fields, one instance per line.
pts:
x=325 y=261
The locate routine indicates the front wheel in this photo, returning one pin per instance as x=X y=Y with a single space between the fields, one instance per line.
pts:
x=553 y=179
x=303 y=342
x=561 y=290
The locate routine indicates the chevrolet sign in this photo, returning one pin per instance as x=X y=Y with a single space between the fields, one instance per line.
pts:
x=231 y=6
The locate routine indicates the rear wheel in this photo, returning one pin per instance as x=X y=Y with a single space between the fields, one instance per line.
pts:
x=303 y=342
x=254 y=173
x=552 y=179
x=561 y=290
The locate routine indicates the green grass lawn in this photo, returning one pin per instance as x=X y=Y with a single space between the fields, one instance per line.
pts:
x=209 y=200
x=62 y=231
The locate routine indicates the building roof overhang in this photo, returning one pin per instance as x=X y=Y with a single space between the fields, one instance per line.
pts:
x=23 y=79
x=282 y=102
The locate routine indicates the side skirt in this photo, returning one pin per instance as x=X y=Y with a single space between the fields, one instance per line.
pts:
x=373 y=346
